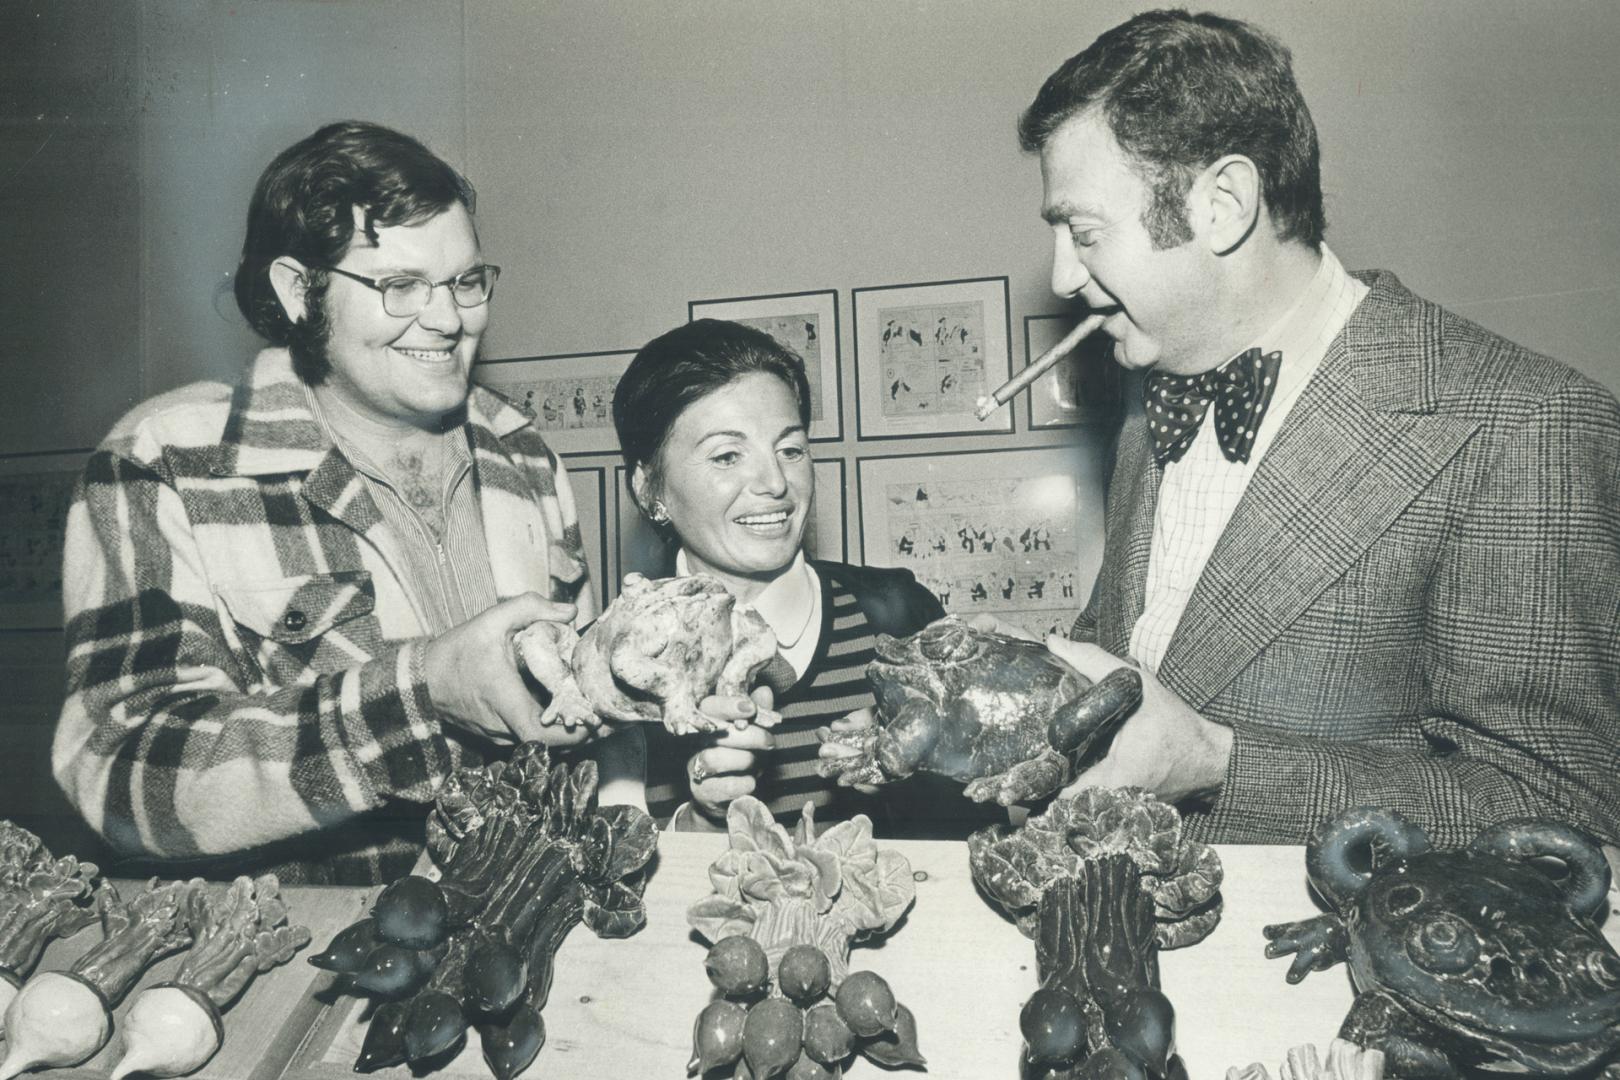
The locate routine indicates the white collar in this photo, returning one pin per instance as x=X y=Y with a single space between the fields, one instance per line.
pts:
x=787 y=604
x=1298 y=334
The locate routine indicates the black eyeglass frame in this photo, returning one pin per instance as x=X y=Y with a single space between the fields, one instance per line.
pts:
x=381 y=286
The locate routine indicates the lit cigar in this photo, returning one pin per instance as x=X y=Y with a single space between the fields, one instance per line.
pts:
x=1041 y=364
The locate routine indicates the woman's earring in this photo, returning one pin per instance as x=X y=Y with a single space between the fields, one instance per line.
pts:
x=660 y=514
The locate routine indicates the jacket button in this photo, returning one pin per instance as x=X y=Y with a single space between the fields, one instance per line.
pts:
x=294 y=620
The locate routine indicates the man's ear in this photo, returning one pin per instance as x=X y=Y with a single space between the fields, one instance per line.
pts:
x=291 y=281
x=1229 y=194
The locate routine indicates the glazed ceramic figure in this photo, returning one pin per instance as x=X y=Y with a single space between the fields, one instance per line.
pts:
x=786 y=909
x=174 y=1028
x=1182 y=876
x=526 y=855
x=1001 y=714
x=1098 y=1013
x=1344 y=1061
x=41 y=898
x=1101 y=881
x=670 y=642
x=63 y=1017
x=1471 y=958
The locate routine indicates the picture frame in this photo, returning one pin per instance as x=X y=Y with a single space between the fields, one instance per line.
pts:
x=1085 y=387
x=1016 y=534
x=36 y=491
x=926 y=353
x=806 y=322
x=639 y=549
x=588 y=485
x=569 y=396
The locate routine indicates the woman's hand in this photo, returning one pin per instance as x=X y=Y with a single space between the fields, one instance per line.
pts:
x=857 y=721
x=729 y=765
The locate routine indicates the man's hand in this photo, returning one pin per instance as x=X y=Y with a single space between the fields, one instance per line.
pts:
x=729 y=765
x=1164 y=746
x=474 y=677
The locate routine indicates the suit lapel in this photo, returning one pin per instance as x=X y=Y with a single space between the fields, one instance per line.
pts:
x=1360 y=444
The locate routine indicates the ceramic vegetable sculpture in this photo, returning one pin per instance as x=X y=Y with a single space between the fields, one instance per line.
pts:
x=658 y=650
x=174 y=1028
x=41 y=898
x=1002 y=715
x=525 y=855
x=1101 y=881
x=1464 y=960
x=785 y=910
x=63 y=1017
x=1345 y=1061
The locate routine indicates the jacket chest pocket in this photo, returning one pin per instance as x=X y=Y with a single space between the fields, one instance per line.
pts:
x=295 y=628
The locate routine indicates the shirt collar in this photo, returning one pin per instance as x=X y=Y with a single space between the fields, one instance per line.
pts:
x=273 y=428
x=1300 y=333
x=786 y=604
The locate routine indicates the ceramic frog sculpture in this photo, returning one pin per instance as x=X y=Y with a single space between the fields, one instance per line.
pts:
x=1464 y=959
x=1001 y=714
x=658 y=650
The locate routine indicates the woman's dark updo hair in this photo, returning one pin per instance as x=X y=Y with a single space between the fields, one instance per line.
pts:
x=691 y=362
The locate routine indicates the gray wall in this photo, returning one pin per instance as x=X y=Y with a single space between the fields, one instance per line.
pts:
x=631 y=156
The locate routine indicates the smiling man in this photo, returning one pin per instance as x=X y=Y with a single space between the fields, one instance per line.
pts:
x=1364 y=551
x=289 y=604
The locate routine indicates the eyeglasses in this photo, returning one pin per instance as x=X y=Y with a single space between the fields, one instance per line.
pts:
x=405 y=295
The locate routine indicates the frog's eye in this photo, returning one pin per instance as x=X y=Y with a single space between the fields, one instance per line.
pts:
x=1402 y=899
x=1444 y=945
x=1604 y=968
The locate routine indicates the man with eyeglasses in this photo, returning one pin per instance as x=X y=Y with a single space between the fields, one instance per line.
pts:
x=289 y=604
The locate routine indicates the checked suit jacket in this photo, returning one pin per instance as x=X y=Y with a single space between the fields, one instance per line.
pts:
x=1416 y=603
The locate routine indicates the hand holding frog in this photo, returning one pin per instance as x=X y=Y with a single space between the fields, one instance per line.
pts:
x=1164 y=746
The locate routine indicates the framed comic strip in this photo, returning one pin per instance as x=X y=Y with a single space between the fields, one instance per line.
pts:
x=568 y=396
x=36 y=491
x=824 y=537
x=1012 y=533
x=926 y=353
x=588 y=484
x=1083 y=388
x=638 y=548
x=807 y=323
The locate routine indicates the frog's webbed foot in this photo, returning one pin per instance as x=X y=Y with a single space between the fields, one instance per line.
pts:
x=1096 y=714
x=1317 y=944
x=546 y=650
x=1377 y=1022
x=683 y=717
x=1033 y=779
x=856 y=766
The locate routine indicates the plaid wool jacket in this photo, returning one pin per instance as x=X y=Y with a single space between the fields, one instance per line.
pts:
x=244 y=666
x=1417 y=602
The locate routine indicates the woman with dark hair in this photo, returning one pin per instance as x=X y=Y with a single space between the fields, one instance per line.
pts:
x=713 y=422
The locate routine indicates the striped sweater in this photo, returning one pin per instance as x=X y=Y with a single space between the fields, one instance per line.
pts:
x=857 y=604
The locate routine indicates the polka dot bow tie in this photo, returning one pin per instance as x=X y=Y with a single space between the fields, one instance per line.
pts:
x=1240 y=390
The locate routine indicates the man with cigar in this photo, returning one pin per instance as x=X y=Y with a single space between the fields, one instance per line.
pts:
x=1362 y=550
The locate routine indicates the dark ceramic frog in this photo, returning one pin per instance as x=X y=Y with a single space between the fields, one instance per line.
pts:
x=1001 y=714
x=1464 y=959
